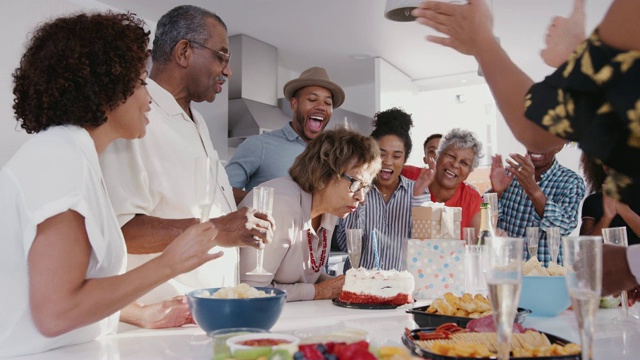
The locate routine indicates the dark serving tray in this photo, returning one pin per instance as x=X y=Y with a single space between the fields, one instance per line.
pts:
x=423 y=319
x=408 y=341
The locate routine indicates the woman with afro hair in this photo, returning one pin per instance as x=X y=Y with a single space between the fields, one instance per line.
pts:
x=388 y=205
x=79 y=86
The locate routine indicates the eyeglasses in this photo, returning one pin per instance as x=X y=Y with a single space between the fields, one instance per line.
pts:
x=223 y=58
x=356 y=184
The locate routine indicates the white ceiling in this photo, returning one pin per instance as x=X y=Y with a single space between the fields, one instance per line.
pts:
x=329 y=32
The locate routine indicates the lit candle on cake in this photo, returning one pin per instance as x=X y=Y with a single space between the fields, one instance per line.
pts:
x=374 y=241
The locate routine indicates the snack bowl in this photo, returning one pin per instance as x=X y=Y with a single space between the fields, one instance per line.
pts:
x=219 y=339
x=546 y=296
x=261 y=340
x=214 y=314
x=424 y=319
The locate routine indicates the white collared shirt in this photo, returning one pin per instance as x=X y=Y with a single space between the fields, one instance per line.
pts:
x=155 y=176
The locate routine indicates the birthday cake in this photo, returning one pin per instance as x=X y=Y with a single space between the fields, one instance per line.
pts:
x=392 y=287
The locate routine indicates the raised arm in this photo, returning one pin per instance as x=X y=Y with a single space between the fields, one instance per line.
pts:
x=469 y=31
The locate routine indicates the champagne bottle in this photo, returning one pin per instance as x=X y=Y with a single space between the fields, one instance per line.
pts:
x=486 y=228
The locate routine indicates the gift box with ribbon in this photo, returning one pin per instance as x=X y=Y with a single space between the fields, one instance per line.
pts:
x=437 y=267
x=436 y=221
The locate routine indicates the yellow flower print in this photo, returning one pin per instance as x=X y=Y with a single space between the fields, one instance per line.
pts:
x=627 y=59
x=614 y=183
x=556 y=122
x=527 y=101
x=603 y=75
x=634 y=125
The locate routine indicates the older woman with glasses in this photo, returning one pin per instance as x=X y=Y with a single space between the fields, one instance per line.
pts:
x=388 y=207
x=327 y=181
x=458 y=155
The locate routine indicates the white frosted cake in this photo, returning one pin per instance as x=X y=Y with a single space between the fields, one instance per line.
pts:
x=362 y=286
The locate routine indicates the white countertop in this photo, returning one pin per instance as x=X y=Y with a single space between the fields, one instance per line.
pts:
x=384 y=327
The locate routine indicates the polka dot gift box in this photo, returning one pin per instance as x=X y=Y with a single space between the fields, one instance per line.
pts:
x=437 y=267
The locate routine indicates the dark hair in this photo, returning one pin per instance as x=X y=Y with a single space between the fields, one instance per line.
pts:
x=332 y=153
x=594 y=174
x=431 y=137
x=185 y=22
x=78 y=67
x=396 y=122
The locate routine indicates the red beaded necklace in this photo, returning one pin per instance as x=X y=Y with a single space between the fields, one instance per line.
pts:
x=314 y=266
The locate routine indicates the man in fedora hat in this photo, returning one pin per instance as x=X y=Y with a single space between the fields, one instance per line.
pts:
x=260 y=158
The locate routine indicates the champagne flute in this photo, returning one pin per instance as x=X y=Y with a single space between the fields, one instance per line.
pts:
x=583 y=261
x=354 y=246
x=205 y=177
x=618 y=236
x=504 y=279
x=532 y=241
x=263 y=202
x=553 y=241
x=492 y=200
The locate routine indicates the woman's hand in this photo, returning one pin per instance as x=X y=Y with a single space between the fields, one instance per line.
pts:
x=468 y=27
x=329 y=289
x=191 y=249
x=164 y=314
x=564 y=35
x=425 y=178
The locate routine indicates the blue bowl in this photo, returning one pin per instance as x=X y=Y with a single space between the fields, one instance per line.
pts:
x=545 y=296
x=215 y=314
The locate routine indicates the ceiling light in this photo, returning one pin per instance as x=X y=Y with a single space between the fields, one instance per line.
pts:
x=362 y=56
x=400 y=10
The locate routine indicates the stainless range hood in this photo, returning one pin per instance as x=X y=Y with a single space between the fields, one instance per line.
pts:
x=253 y=92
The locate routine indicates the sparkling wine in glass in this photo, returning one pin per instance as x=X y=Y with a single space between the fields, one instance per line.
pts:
x=354 y=246
x=553 y=241
x=618 y=236
x=583 y=261
x=205 y=176
x=504 y=279
x=532 y=241
x=492 y=200
x=263 y=202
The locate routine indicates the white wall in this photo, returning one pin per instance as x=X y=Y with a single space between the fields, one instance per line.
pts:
x=16 y=31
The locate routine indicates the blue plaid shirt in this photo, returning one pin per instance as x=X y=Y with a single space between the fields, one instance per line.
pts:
x=564 y=190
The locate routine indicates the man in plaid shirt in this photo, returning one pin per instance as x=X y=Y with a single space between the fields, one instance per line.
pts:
x=534 y=190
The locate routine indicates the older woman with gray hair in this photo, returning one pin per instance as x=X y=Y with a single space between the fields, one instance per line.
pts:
x=458 y=155
x=327 y=181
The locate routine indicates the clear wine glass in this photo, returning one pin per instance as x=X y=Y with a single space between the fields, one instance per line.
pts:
x=553 y=241
x=492 y=200
x=354 y=246
x=205 y=177
x=618 y=236
x=504 y=279
x=583 y=262
x=263 y=202
x=532 y=241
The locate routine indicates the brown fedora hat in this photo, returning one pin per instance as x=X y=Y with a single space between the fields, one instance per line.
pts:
x=315 y=76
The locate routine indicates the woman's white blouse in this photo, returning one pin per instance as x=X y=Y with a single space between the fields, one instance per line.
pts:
x=55 y=171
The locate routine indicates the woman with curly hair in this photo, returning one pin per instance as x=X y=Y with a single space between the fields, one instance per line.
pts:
x=79 y=86
x=458 y=155
x=599 y=211
x=388 y=205
x=328 y=180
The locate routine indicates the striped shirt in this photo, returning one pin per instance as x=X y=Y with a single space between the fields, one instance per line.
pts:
x=564 y=190
x=392 y=222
